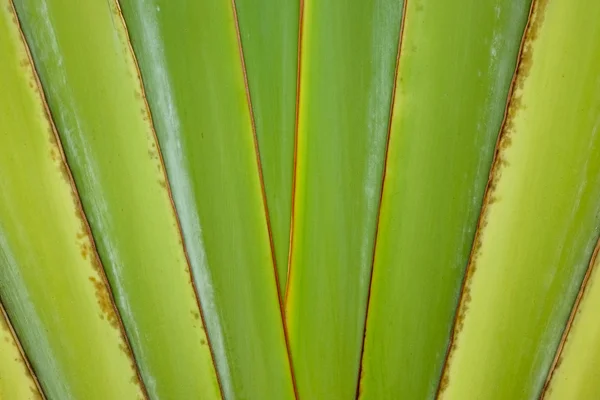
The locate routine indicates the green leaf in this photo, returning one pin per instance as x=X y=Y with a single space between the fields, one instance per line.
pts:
x=451 y=91
x=577 y=361
x=269 y=35
x=51 y=281
x=96 y=98
x=190 y=60
x=348 y=54
x=16 y=377
x=541 y=216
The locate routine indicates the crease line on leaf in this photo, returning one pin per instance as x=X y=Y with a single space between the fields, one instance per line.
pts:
x=565 y=336
x=80 y=210
x=522 y=65
x=295 y=161
x=263 y=194
x=28 y=365
x=168 y=189
x=294 y=169
x=385 y=164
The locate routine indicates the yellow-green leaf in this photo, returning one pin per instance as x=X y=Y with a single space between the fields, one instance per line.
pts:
x=452 y=85
x=51 y=281
x=577 y=361
x=17 y=380
x=87 y=69
x=541 y=215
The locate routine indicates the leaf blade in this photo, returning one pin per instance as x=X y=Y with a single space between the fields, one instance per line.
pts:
x=348 y=55
x=543 y=193
x=577 y=359
x=269 y=36
x=17 y=379
x=190 y=61
x=444 y=127
x=97 y=100
x=74 y=340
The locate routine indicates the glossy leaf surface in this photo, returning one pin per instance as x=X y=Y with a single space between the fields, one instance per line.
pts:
x=191 y=65
x=451 y=93
x=96 y=100
x=542 y=213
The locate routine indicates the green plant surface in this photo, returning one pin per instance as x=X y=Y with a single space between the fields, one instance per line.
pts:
x=348 y=58
x=16 y=378
x=96 y=98
x=541 y=215
x=51 y=281
x=577 y=362
x=269 y=37
x=191 y=65
x=451 y=92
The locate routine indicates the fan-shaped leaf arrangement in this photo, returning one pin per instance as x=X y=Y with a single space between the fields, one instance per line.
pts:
x=300 y=199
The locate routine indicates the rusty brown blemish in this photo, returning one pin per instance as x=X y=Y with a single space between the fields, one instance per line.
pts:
x=558 y=357
x=383 y=175
x=504 y=141
x=104 y=302
x=444 y=383
x=84 y=251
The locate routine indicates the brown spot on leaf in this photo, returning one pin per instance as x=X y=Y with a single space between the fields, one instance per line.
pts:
x=444 y=383
x=105 y=302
